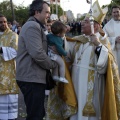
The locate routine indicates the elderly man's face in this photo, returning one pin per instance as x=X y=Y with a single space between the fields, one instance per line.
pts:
x=116 y=14
x=85 y=26
x=3 y=24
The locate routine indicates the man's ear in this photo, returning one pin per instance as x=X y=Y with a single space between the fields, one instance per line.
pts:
x=36 y=12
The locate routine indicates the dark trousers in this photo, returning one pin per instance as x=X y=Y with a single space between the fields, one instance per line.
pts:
x=34 y=95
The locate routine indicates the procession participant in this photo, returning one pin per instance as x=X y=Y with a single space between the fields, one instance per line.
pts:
x=113 y=33
x=8 y=85
x=94 y=72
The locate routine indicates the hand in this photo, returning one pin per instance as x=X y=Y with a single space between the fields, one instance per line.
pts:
x=54 y=49
x=94 y=39
x=117 y=40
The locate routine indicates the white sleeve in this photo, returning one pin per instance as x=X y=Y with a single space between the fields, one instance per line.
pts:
x=111 y=39
x=102 y=60
x=112 y=42
x=8 y=53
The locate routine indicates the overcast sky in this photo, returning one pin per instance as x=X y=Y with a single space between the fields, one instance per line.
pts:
x=77 y=6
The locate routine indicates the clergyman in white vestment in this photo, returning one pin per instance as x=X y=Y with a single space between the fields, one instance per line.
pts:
x=112 y=29
x=93 y=65
x=85 y=62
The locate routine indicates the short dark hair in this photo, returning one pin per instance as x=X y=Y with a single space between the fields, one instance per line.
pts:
x=36 y=5
x=58 y=27
x=116 y=6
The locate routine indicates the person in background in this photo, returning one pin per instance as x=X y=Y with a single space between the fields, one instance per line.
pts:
x=14 y=26
x=48 y=25
x=79 y=27
x=32 y=60
x=18 y=29
x=9 y=25
x=113 y=33
x=73 y=30
x=8 y=85
x=68 y=30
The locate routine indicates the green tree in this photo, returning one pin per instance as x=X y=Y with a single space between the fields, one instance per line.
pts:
x=53 y=9
x=5 y=9
x=115 y=2
x=21 y=13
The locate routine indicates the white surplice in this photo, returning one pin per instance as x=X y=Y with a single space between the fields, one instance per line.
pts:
x=80 y=69
x=112 y=29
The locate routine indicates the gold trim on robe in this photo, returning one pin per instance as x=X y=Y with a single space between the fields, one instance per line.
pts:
x=111 y=105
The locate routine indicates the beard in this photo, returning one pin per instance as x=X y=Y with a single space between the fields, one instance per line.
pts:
x=3 y=28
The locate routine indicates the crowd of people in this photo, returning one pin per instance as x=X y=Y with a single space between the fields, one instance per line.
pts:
x=85 y=67
x=75 y=27
x=15 y=26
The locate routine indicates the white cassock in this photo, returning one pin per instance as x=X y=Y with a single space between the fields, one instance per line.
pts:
x=80 y=69
x=112 y=29
x=8 y=103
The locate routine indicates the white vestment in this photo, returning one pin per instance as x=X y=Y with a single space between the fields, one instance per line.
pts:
x=112 y=29
x=80 y=69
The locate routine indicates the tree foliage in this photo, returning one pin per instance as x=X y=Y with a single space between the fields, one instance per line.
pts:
x=53 y=9
x=21 y=12
x=5 y=9
x=115 y=2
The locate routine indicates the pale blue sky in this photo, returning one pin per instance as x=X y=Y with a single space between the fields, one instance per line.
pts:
x=77 y=6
